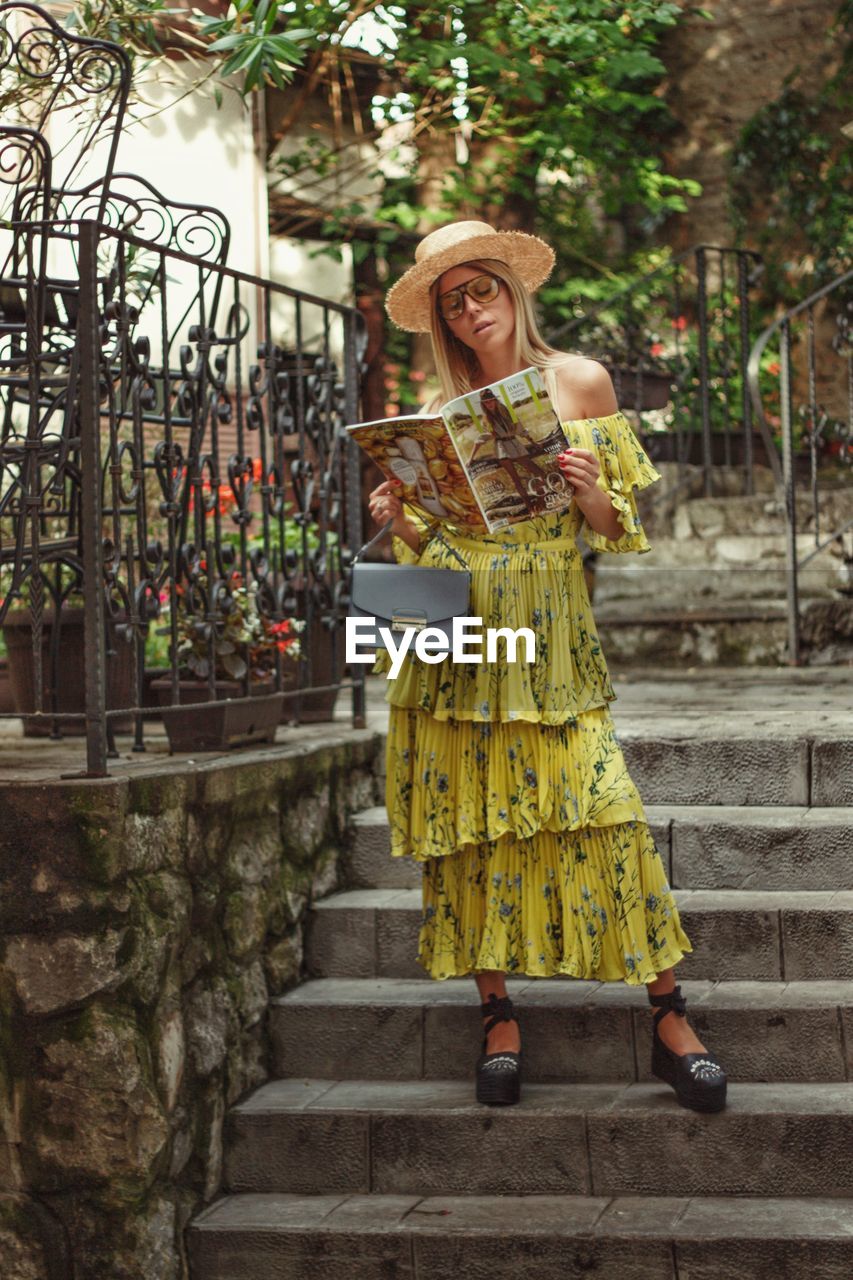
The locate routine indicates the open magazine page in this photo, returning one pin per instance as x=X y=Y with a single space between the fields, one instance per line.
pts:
x=508 y=436
x=420 y=452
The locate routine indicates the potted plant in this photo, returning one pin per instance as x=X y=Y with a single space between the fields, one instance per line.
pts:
x=238 y=652
x=326 y=649
x=63 y=662
x=286 y=546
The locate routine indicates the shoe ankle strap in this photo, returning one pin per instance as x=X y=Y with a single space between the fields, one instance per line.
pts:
x=500 y=1007
x=671 y=1001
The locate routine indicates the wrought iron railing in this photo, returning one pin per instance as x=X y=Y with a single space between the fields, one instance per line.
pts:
x=676 y=342
x=182 y=476
x=801 y=384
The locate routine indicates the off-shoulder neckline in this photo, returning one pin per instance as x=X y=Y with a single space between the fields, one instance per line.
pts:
x=605 y=417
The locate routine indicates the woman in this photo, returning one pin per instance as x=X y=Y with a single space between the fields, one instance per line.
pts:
x=506 y=781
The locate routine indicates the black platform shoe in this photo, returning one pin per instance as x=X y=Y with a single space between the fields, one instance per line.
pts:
x=698 y=1079
x=498 y=1074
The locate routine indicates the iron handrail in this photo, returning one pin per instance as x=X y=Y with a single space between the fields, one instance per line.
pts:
x=784 y=471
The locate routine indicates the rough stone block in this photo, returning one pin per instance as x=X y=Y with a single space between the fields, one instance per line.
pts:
x=245 y=919
x=74 y=1137
x=74 y=829
x=305 y=825
x=52 y=973
x=283 y=962
x=209 y=1020
x=349 y=1040
x=340 y=941
x=730 y=940
x=794 y=1139
x=556 y=1257
x=308 y=1152
x=170 y=1053
x=370 y=861
x=32 y=1243
x=397 y=942
x=433 y=1153
x=762 y=848
x=271 y=1237
x=728 y=1239
x=832 y=771
x=154 y=841
x=103 y=1242
x=730 y=771
x=818 y=942
x=254 y=852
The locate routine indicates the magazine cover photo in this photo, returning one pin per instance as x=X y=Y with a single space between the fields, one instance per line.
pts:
x=508 y=437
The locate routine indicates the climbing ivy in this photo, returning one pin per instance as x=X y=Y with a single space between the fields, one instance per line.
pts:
x=792 y=173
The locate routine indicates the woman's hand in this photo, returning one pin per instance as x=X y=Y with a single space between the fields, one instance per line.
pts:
x=581 y=469
x=384 y=502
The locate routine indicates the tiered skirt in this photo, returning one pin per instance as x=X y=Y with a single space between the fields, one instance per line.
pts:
x=537 y=858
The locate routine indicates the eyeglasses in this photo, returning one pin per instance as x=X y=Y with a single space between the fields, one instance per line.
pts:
x=481 y=289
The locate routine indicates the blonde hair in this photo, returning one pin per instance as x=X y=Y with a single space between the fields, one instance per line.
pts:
x=457 y=365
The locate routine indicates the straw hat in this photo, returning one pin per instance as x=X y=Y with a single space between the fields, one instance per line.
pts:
x=408 y=302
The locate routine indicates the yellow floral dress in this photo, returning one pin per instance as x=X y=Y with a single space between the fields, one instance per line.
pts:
x=507 y=781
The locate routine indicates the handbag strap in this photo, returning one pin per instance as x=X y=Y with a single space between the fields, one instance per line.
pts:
x=433 y=531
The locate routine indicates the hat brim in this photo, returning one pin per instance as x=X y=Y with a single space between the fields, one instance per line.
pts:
x=408 y=301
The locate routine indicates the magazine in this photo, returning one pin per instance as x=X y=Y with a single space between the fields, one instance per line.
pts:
x=485 y=460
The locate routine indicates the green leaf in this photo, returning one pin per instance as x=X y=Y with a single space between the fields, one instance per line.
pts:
x=227 y=42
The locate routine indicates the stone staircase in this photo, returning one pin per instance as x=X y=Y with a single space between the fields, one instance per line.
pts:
x=712 y=591
x=367 y=1158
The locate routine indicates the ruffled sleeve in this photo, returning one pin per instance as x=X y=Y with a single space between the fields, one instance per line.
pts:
x=625 y=466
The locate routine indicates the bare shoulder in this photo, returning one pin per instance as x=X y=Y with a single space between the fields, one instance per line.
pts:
x=585 y=388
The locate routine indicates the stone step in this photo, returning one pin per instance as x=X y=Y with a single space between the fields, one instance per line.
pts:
x=745 y=768
x=369 y=861
x=572 y=1030
x=703 y=847
x=745 y=567
x=760 y=514
x=736 y=934
x=694 y=636
x=551 y=1237
x=422 y=1137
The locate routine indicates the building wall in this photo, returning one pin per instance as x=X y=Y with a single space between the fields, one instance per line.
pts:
x=720 y=73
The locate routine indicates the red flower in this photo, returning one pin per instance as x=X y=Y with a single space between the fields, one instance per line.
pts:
x=680 y=322
x=774 y=367
x=656 y=349
x=257 y=470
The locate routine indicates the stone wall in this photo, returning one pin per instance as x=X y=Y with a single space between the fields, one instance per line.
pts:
x=719 y=73
x=145 y=922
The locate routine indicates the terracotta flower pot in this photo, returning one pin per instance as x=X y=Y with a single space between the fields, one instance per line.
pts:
x=191 y=725
x=69 y=678
x=7 y=706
